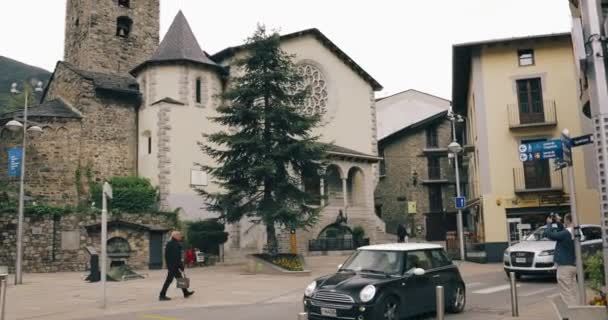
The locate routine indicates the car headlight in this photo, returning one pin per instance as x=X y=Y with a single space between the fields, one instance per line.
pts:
x=546 y=253
x=368 y=293
x=310 y=289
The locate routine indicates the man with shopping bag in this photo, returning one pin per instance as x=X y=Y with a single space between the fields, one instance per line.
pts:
x=175 y=267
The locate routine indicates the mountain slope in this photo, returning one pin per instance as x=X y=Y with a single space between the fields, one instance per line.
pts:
x=15 y=71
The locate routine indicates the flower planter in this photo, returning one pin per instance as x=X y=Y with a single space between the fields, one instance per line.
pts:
x=579 y=312
x=256 y=265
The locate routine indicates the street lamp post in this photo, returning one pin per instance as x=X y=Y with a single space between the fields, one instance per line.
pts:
x=455 y=148
x=15 y=125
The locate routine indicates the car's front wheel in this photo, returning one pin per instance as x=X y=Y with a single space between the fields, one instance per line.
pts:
x=389 y=308
x=458 y=301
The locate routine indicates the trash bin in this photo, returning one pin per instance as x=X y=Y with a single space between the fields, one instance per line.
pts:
x=95 y=274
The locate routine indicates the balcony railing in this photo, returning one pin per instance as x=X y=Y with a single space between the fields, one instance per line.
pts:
x=552 y=181
x=546 y=117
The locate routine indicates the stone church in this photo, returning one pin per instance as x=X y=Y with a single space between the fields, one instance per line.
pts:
x=124 y=103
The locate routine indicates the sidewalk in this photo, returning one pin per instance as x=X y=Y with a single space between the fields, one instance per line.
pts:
x=65 y=296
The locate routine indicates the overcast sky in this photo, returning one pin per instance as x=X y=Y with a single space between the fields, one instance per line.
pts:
x=402 y=43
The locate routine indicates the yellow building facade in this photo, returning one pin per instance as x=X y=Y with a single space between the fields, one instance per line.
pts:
x=513 y=92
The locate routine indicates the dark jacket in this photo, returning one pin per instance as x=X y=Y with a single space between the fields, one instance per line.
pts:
x=564 y=249
x=173 y=255
x=401 y=232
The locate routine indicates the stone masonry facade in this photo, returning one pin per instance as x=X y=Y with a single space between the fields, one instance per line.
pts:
x=57 y=243
x=91 y=40
x=405 y=154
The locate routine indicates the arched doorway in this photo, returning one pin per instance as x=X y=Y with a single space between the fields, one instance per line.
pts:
x=333 y=186
x=356 y=187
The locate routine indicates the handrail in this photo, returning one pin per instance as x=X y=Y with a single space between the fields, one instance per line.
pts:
x=3 y=288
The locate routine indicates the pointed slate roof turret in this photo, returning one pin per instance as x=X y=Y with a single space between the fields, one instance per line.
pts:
x=178 y=45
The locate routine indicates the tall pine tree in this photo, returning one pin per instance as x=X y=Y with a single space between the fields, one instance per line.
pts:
x=268 y=145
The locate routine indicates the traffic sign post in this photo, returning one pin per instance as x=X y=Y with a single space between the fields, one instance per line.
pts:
x=460 y=202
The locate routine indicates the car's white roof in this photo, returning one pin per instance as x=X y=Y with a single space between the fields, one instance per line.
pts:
x=401 y=247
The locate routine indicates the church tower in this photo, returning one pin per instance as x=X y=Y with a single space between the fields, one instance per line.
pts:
x=111 y=36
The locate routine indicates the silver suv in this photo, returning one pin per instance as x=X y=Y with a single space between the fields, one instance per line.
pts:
x=534 y=255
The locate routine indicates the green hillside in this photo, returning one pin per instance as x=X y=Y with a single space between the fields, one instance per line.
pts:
x=15 y=71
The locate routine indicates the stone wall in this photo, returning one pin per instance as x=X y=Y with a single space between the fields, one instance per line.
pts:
x=404 y=155
x=53 y=244
x=91 y=42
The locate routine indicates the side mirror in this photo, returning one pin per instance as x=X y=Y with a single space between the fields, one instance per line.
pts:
x=419 y=272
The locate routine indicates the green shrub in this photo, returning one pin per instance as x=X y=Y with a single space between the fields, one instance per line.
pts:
x=130 y=194
x=594 y=267
x=358 y=233
x=207 y=235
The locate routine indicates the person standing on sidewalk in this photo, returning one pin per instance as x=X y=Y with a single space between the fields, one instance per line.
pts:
x=564 y=257
x=175 y=266
x=401 y=233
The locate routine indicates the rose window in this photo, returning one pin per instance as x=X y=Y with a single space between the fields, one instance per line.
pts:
x=316 y=103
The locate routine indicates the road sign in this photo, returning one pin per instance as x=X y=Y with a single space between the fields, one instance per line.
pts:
x=533 y=147
x=582 y=140
x=460 y=202
x=14 y=161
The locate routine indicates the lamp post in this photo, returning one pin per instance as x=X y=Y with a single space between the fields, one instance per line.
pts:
x=15 y=125
x=455 y=148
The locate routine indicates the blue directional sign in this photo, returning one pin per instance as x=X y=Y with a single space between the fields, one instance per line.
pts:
x=460 y=202
x=541 y=150
x=14 y=161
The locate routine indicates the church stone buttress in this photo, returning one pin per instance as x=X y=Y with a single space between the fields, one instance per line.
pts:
x=111 y=36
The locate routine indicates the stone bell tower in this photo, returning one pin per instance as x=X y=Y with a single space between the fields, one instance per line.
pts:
x=111 y=36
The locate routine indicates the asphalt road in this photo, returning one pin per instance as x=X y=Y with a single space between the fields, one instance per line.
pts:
x=488 y=296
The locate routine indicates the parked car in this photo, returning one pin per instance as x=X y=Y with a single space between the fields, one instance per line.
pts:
x=387 y=282
x=534 y=255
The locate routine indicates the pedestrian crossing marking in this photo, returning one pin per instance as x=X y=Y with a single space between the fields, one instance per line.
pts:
x=494 y=289
x=474 y=284
x=153 y=317
x=528 y=294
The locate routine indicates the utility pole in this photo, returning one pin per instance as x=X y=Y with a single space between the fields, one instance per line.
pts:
x=106 y=193
x=591 y=12
x=456 y=148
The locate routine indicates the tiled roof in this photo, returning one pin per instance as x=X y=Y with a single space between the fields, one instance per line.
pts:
x=179 y=44
x=229 y=52
x=105 y=81
x=55 y=108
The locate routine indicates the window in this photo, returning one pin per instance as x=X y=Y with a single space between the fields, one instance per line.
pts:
x=418 y=259
x=537 y=174
x=124 y=3
x=382 y=163
x=530 y=100
x=435 y=199
x=592 y=233
x=526 y=57
x=149 y=145
x=123 y=26
x=198 y=90
x=431 y=137
x=439 y=259
x=434 y=168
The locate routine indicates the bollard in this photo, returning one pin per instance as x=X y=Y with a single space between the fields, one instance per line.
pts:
x=3 y=288
x=302 y=316
x=514 y=305
x=440 y=302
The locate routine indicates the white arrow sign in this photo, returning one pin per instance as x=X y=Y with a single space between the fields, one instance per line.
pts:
x=523 y=148
x=523 y=157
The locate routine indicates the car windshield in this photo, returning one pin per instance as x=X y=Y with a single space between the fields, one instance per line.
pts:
x=386 y=262
x=538 y=235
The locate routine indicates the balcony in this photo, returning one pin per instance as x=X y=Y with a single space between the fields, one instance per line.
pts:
x=548 y=181
x=537 y=116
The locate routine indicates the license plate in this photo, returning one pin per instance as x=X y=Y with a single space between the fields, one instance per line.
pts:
x=520 y=260
x=329 y=312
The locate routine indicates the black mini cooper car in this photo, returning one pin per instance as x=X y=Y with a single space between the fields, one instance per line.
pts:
x=387 y=282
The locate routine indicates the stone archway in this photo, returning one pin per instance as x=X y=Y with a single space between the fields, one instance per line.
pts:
x=356 y=187
x=333 y=185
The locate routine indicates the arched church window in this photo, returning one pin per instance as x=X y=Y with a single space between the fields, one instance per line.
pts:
x=124 y=3
x=123 y=26
x=314 y=80
x=198 y=89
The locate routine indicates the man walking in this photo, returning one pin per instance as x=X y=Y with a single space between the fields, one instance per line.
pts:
x=401 y=233
x=175 y=266
x=564 y=257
